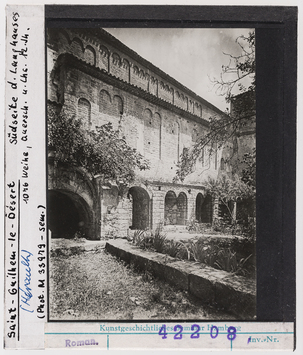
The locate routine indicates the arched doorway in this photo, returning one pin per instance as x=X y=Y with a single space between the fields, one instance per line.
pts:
x=182 y=209
x=203 y=208
x=68 y=214
x=141 y=208
x=170 y=208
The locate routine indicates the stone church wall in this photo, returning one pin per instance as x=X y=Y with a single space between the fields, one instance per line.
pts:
x=158 y=118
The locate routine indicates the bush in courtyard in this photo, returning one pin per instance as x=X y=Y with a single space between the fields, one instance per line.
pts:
x=203 y=251
x=173 y=248
x=159 y=239
x=235 y=255
x=138 y=238
x=226 y=260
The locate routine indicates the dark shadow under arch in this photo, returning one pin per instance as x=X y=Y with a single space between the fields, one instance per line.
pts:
x=182 y=209
x=170 y=208
x=203 y=208
x=141 y=208
x=68 y=214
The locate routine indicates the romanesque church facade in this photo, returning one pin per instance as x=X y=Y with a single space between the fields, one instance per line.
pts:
x=98 y=79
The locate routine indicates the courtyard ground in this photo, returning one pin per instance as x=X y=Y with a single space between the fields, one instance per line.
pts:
x=86 y=283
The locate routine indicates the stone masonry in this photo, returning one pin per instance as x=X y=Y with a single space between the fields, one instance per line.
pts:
x=97 y=78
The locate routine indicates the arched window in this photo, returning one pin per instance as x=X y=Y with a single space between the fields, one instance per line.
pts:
x=76 y=47
x=182 y=209
x=116 y=59
x=104 y=102
x=90 y=55
x=84 y=112
x=170 y=208
x=141 y=208
x=118 y=105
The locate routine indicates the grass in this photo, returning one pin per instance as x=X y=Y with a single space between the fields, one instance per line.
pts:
x=93 y=285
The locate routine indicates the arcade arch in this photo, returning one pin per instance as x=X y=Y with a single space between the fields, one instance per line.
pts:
x=175 y=208
x=182 y=209
x=203 y=208
x=68 y=213
x=140 y=208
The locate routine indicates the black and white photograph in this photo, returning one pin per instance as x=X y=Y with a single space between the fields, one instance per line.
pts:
x=150 y=177
x=151 y=159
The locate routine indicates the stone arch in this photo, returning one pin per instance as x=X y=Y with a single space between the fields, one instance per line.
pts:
x=203 y=208
x=90 y=55
x=77 y=48
x=103 y=58
x=182 y=209
x=148 y=114
x=125 y=63
x=200 y=110
x=136 y=70
x=69 y=213
x=84 y=111
x=170 y=208
x=140 y=208
x=116 y=59
x=118 y=104
x=64 y=38
x=104 y=102
x=104 y=51
x=151 y=133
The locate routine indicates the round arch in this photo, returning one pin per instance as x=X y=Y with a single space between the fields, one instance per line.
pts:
x=203 y=208
x=170 y=208
x=140 y=208
x=182 y=209
x=68 y=213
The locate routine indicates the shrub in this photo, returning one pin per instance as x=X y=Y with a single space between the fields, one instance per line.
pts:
x=184 y=252
x=203 y=251
x=243 y=269
x=226 y=260
x=172 y=248
x=138 y=238
x=159 y=239
x=191 y=225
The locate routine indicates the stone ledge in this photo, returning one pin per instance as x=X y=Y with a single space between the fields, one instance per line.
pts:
x=219 y=288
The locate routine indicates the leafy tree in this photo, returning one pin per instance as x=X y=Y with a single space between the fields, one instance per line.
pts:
x=100 y=152
x=227 y=189
x=248 y=174
x=222 y=129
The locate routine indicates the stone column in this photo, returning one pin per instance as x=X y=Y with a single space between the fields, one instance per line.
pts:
x=158 y=207
x=191 y=210
x=124 y=211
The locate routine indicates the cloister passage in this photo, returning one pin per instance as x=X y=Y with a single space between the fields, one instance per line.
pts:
x=175 y=209
x=203 y=208
x=140 y=209
x=67 y=214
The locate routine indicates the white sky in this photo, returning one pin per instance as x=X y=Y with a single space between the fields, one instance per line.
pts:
x=191 y=56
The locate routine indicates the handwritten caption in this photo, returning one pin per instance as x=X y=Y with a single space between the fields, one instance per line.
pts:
x=25 y=260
